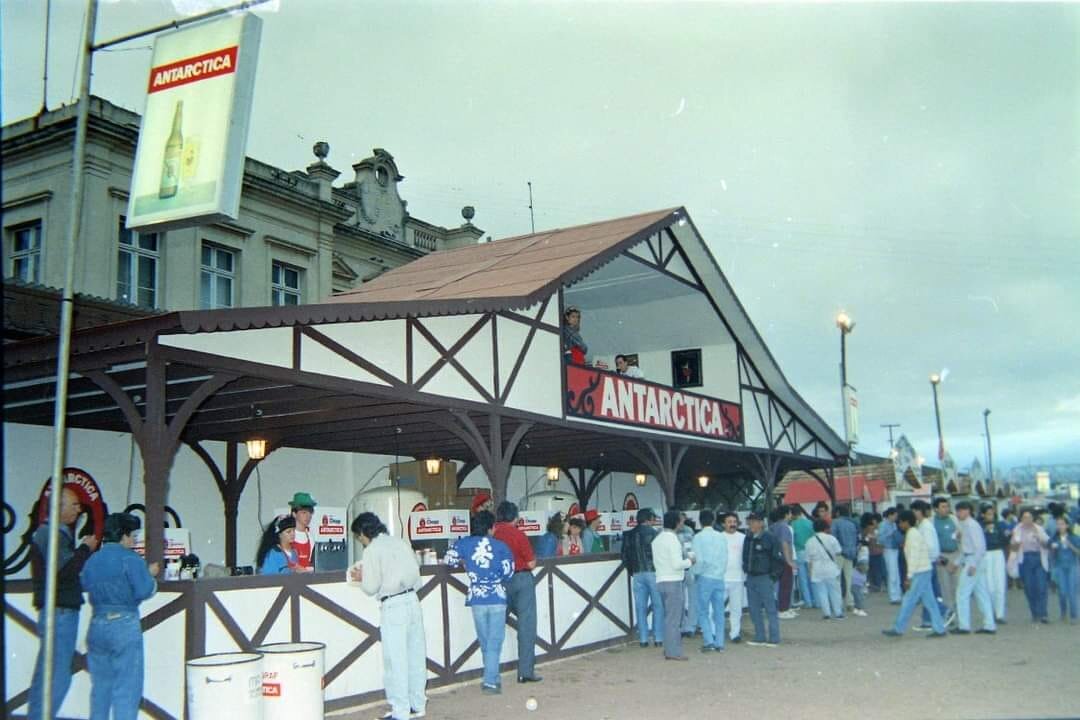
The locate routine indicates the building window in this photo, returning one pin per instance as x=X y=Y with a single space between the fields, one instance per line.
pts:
x=284 y=284
x=25 y=255
x=216 y=277
x=137 y=267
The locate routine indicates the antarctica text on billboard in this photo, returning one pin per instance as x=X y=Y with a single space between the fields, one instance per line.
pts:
x=607 y=397
x=189 y=163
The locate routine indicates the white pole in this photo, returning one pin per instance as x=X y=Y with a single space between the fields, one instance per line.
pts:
x=63 y=361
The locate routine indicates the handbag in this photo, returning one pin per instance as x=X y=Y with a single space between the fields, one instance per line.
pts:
x=1012 y=565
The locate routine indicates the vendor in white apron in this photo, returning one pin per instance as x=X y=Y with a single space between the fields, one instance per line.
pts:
x=302 y=506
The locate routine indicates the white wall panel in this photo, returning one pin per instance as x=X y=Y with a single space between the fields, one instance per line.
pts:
x=512 y=336
x=752 y=420
x=538 y=387
x=269 y=346
x=381 y=342
x=317 y=358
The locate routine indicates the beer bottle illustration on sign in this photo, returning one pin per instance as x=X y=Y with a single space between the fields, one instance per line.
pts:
x=174 y=146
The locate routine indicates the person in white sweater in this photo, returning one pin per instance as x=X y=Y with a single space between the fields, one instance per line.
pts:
x=670 y=566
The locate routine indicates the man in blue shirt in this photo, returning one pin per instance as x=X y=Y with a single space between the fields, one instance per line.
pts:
x=710 y=567
x=490 y=565
x=846 y=533
x=945 y=525
x=889 y=537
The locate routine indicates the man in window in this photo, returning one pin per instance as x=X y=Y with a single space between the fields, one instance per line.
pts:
x=624 y=368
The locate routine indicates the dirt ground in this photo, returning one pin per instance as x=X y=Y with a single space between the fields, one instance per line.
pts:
x=830 y=670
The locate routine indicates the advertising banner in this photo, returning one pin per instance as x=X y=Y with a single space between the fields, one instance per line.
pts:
x=189 y=163
x=459 y=522
x=533 y=522
x=177 y=542
x=611 y=523
x=430 y=525
x=328 y=523
x=600 y=395
x=851 y=415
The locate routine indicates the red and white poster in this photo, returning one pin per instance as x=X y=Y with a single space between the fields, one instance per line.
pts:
x=86 y=491
x=607 y=397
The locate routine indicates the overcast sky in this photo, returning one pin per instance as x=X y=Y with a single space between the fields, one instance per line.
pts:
x=917 y=165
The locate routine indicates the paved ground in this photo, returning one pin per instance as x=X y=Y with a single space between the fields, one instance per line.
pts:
x=822 y=670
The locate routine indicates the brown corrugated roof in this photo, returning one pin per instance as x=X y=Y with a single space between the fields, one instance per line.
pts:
x=524 y=266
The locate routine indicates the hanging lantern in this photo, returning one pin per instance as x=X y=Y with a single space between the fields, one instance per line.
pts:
x=256 y=448
x=433 y=465
x=553 y=475
x=703 y=481
x=639 y=479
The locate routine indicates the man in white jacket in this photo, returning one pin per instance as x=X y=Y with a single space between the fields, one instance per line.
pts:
x=670 y=567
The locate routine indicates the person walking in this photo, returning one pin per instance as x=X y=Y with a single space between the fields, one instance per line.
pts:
x=890 y=538
x=762 y=562
x=734 y=578
x=670 y=565
x=802 y=529
x=997 y=540
x=917 y=585
x=521 y=590
x=846 y=532
x=389 y=572
x=489 y=565
x=116 y=580
x=781 y=530
x=822 y=551
x=710 y=568
x=969 y=568
x=636 y=552
x=1065 y=566
x=949 y=546
x=69 y=598
x=1032 y=542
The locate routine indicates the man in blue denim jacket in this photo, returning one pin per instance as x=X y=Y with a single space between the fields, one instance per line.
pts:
x=846 y=533
x=117 y=580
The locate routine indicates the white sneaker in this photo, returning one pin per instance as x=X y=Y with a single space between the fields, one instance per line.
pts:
x=860 y=613
x=788 y=615
x=412 y=714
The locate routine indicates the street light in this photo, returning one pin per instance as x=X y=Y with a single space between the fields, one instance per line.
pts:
x=935 y=380
x=846 y=325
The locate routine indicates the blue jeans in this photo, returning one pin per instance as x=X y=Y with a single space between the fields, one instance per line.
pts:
x=1067 y=582
x=521 y=601
x=710 y=610
x=829 y=597
x=115 y=655
x=806 y=594
x=892 y=573
x=644 y=586
x=490 y=621
x=404 y=648
x=968 y=585
x=920 y=591
x=759 y=591
x=67 y=628
x=1034 y=578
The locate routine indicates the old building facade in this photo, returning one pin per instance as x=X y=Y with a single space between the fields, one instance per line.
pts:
x=298 y=238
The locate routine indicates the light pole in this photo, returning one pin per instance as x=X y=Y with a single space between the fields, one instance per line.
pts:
x=935 y=380
x=846 y=325
x=989 y=449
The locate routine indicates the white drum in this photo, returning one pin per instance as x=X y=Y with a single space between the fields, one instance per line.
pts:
x=292 y=680
x=225 y=684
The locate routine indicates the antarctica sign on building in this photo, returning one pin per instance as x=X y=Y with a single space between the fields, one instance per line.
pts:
x=189 y=163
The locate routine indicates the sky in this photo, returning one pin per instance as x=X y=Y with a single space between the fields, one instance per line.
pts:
x=916 y=165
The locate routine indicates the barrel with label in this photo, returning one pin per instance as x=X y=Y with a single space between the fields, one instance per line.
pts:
x=229 y=683
x=292 y=680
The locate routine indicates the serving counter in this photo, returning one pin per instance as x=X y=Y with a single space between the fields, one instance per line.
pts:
x=582 y=604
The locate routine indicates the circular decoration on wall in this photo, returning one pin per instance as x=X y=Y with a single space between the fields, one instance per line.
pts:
x=630 y=502
x=88 y=494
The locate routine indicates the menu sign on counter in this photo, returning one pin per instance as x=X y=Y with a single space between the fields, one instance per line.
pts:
x=177 y=542
x=459 y=523
x=329 y=523
x=532 y=522
x=429 y=525
x=611 y=523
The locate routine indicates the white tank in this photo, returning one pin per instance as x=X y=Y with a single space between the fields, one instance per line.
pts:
x=549 y=500
x=391 y=504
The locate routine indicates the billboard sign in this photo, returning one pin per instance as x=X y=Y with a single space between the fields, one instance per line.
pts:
x=189 y=163
x=606 y=397
x=851 y=415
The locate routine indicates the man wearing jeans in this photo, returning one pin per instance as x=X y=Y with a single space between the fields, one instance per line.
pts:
x=945 y=525
x=802 y=529
x=710 y=567
x=971 y=571
x=521 y=590
x=636 y=554
x=69 y=598
x=917 y=584
x=889 y=538
x=762 y=561
x=389 y=572
x=847 y=533
x=490 y=565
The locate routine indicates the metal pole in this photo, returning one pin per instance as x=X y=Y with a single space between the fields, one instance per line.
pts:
x=843 y=402
x=63 y=360
x=532 y=220
x=178 y=23
x=989 y=447
x=890 y=427
x=937 y=420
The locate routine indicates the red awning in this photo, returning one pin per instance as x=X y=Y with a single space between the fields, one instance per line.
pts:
x=811 y=491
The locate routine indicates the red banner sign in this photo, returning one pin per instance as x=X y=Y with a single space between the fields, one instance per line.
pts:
x=192 y=69
x=605 y=396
